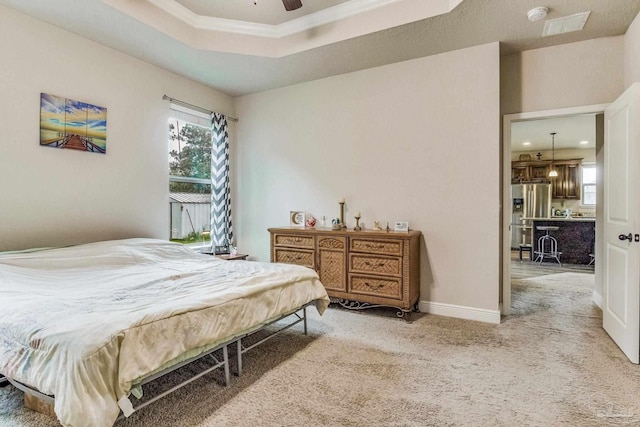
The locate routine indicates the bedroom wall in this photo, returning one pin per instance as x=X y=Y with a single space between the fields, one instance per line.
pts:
x=58 y=197
x=416 y=141
x=632 y=53
x=575 y=74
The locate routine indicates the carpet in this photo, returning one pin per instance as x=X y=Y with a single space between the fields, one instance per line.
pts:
x=549 y=364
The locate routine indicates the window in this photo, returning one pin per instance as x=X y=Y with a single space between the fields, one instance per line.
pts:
x=189 y=175
x=589 y=185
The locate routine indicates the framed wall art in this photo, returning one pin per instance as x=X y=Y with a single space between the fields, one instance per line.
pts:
x=70 y=124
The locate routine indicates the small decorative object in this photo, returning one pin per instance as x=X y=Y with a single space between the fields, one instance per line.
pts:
x=234 y=251
x=388 y=229
x=323 y=221
x=342 y=224
x=221 y=250
x=311 y=222
x=376 y=225
x=539 y=156
x=65 y=123
x=336 y=224
x=401 y=226
x=357 y=227
x=297 y=218
x=524 y=157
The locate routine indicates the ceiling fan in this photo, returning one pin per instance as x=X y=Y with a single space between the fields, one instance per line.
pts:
x=288 y=4
x=292 y=4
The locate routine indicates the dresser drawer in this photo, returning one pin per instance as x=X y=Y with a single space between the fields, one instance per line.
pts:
x=364 y=263
x=293 y=241
x=294 y=256
x=376 y=246
x=388 y=287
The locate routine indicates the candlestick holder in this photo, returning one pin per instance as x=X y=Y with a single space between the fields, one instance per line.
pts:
x=357 y=227
x=342 y=215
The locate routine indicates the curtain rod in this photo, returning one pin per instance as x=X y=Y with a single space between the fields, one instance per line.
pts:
x=195 y=107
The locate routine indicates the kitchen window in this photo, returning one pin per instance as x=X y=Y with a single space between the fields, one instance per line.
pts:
x=588 y=185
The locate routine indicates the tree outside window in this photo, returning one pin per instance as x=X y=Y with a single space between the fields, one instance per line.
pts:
x=189 y=181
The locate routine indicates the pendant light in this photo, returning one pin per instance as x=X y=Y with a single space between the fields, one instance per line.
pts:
x=553 y=173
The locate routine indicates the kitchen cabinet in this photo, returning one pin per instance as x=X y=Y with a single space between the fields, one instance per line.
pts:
x=567 y=184
x=530 y=171
x=359 y=269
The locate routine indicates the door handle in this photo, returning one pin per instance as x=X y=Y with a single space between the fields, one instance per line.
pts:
x=628 y=237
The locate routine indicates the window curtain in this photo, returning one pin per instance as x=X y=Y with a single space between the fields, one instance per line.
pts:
x=221 y=225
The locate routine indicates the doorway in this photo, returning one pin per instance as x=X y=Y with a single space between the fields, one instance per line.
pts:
x=514 y=127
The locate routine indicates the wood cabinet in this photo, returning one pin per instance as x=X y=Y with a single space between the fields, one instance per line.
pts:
x=567 y=184
x=356 y=267
x=530 y=171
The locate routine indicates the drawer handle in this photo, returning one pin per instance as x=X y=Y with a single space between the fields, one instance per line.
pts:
x=370 y=246
x=380 y=264
x=374 y=287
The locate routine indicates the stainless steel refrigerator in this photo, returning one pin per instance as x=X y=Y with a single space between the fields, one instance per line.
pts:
x=528 y=201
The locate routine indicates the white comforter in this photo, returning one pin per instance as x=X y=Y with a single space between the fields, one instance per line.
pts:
x=84 y=322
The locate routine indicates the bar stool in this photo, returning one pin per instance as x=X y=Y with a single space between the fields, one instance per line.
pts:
x=547 y=245
x=526 y=248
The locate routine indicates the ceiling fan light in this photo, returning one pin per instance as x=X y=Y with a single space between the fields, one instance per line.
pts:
x=292 y=4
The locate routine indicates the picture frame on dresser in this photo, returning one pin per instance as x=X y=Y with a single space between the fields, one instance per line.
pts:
x=297 y=218
x=401 y=226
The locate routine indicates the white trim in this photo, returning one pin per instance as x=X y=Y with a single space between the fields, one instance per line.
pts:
x=322 y=17
x=461 y=312
x=506 y=184
x=597 y=299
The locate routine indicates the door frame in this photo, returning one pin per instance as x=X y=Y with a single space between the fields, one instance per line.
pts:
x=507 y=120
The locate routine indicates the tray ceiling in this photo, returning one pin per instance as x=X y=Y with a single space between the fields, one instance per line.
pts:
x=383 y=32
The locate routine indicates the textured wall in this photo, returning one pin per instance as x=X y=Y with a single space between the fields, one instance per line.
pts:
x=632 y=53
x=58 y=197
x=416 y=140
x=570 y=75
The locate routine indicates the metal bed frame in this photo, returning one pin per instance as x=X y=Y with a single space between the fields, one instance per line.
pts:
x=299 y=318
x=126 y=405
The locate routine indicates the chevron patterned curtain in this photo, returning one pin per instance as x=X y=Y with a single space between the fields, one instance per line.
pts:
x=221 y=226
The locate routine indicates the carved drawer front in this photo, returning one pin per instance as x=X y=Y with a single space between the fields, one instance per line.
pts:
x=292 y=256
x=376 y=286
x=337 y=243
x=362 y=263
x=294 y=241
x=377 y=246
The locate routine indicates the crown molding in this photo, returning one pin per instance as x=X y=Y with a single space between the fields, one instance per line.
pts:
x=307 y=22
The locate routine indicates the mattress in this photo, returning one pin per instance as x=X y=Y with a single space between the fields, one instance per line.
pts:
x=88 y=321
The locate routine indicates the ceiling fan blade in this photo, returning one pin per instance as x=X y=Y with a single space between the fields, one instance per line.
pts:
x=292 y=4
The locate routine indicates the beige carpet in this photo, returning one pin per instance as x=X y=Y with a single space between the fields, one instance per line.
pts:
x=550 y=364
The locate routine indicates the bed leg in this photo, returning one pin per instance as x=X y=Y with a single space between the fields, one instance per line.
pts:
x=239 y=344
x=227 y=377
x=304 y=314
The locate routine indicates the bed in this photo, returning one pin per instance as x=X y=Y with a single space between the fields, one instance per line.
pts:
x=89 y=323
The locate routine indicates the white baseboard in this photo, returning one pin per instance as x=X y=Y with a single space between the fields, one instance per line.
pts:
x=597 y=299
x=461 y=312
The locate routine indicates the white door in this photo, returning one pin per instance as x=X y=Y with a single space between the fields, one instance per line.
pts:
x=621 y=257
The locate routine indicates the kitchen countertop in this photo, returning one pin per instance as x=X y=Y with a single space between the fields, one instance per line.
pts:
x=563 y=218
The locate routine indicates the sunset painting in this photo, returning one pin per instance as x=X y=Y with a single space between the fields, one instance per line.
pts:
x=65 y=123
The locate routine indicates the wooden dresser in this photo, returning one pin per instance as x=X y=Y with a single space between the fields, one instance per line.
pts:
x=359 y=269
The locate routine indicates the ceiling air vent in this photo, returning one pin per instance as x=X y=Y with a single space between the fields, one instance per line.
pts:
x=565 y=24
